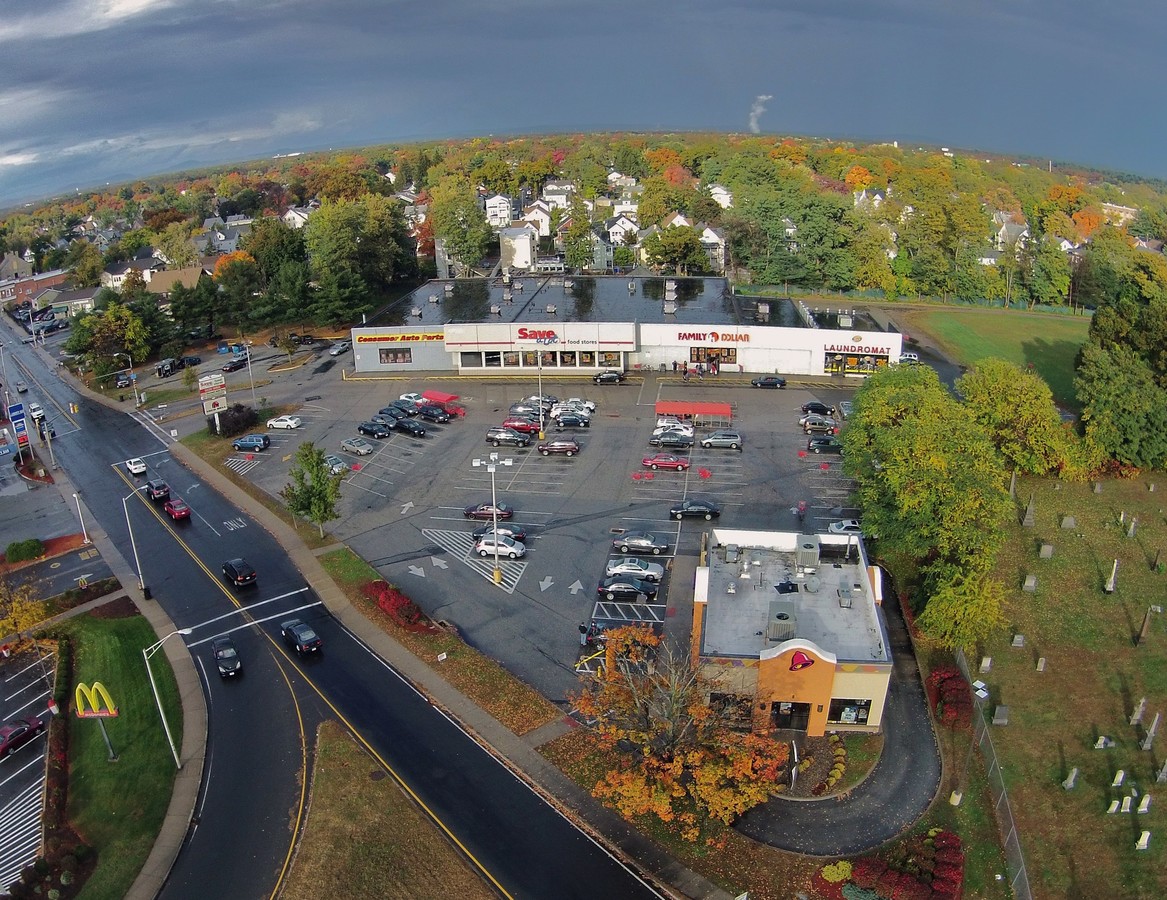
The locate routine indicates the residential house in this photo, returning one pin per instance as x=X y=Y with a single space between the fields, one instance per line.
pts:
x=627 y=206
x=1151 y=245
x=714 y=244
x=791 y=232
x=558 y=194
x=539 y=215
x=115 y=274
x=619 y=228
x=617 y=182
x=222 y=240
x=13 y=266
x=1011 y=231
x=519 y=246
x=164 y=282
x=499 y=209
x=67 y=301
x=642 y=237
x=989 y=257
x=603 y=253
x=866 y=199
x=297 y=216
x=721 y=196
x=1118 y=215
x=676 y=220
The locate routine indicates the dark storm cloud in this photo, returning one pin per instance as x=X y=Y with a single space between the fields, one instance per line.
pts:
x=106 y=90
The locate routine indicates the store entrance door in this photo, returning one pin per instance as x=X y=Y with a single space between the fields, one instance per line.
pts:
x=794 y=716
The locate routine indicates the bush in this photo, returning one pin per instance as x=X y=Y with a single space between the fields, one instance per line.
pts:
x=20 y=551
x=865 y=872
x=234 y=420
x=852 y=891
x=400 y=608
x=833 y=873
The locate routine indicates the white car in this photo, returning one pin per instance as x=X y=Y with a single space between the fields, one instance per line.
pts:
x=846 y=526
x=413 y=397
x=136 y=466
x=284 y=422
x=686 y=430
x=508 y=547
x=560 y=408
x=340 y=347
x=580 y=401
x=637 y=568
x=665 y=421
x=35 y=411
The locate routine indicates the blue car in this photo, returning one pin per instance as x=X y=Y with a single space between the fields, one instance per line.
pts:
x=252 y=442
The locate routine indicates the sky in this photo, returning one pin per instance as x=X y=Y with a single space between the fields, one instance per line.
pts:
x=97 y=91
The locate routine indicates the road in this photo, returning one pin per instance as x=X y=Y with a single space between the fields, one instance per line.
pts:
x=262 y=727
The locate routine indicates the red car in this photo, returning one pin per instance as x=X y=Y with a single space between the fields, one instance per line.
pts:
x=487 y=511
x=19 y=733
x=518 y=423
x=176 y=508
x=666 y=461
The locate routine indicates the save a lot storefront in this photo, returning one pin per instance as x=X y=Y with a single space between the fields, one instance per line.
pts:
x=586 y=346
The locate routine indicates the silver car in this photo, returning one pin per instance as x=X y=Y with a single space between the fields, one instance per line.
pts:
x=726 y=440
x=637 y=568
x=504 y=546
x=335 y=464
x=358 y=446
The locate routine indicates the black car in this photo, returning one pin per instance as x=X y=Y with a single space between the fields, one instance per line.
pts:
x=433 y=414
x=673 y=440
x=234 y=365
x=406 y=406
x=814 y=406
x=191 y=360
x=410 y=427
x=639 y=542
x=506 y=529
x=374 y=429
x=703 y=509
x=300 y=636
x=393 y=412
x=226 y=657
x=769 y=381
x=500 y=436
x=573 y=420
x=609 y=377
x=824 y=445
x=157 y=489
x=625 y=587
x=239 y=572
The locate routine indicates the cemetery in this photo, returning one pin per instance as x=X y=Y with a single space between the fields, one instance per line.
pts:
x=1074 y=685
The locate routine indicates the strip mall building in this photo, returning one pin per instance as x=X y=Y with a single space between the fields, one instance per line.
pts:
x=524 y=331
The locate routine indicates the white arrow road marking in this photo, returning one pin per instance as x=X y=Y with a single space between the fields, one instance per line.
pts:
x=417 y=570
x=546 y=583
x=406 y=507
x=438 y=563
x=575 y=587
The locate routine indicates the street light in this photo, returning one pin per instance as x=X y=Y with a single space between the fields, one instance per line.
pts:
x=84 y=533
x=247 y=350
x=133 y=380
x=492 y=463
x=542 y=409
x=147 y=652
x=133 y=544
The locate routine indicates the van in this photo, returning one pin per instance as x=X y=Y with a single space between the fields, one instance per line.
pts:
x=167 y=367
x=910 y=359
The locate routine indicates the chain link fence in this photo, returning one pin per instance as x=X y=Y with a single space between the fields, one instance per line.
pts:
x=1014 y=858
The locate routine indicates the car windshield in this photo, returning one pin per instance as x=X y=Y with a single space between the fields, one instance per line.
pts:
x=226 y=653
x=306 y=634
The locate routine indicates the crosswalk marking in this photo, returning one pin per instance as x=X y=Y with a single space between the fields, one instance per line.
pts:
x=20 y=830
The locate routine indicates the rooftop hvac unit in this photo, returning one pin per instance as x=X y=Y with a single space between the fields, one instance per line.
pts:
x=670 y=308
x=550 y=309
x=731 y=553
x=496 y=310
x=762 y=313
x=782 y=624
x=807 y=555
x=416 y=311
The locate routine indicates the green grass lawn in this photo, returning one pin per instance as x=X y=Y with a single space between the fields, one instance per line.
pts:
x=118 y=807
x=1047 y=342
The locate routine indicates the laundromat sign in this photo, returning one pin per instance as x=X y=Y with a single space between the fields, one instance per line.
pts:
x=713 y=337
x=856 y=347
x=409 y=337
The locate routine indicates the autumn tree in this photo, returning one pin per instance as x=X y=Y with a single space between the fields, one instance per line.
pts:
x=964 y=606
x=237 y=279
x=20 y=609
x=313 y=491
x=365 y=238
x=101 y=334
x=858 y=178
x=682 y=761
x=85 y=262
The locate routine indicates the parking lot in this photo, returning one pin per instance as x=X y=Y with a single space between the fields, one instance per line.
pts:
x=402 y=505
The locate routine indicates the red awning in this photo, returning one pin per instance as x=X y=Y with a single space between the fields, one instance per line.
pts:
x=691 y=409
x=439 y=396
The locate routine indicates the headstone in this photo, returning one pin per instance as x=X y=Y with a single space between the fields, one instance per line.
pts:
x=1030 y=517
x=1071 y=780
x=1018 y=640
x=986 y=664
x=1041 y=664
x=1161 y=778
x=1098 y=487
x=1069 y=523
x=1145 y=629
x=1137 y=715
x=1103 y=743
x=1047 y=551
x=1145 y=804
x=1122 y=517
x=1150 y=738
x=1144 y=841
x=1113 y=808
x=1151 y=487
x=1126 y=804
x=1112 y=582
x=1130 y=531
x=1030 y=587
x=1118 y=779
x=1001 y=715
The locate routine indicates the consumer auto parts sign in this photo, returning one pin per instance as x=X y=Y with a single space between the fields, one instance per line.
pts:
x=408 y=337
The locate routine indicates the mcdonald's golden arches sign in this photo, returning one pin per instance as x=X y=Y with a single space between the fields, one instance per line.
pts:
x=94 y=702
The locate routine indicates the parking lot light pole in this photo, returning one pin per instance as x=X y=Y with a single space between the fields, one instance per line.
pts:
x=81 y=518
x=133 y=544
x=147 y=652
x=133 y=380
x=542 y=409
x=492 y=463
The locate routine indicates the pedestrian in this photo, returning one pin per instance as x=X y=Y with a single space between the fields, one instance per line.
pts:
x=674 y=365
x=593 y=633
x=583 y=634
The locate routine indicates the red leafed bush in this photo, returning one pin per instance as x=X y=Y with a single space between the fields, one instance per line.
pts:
x=950 y=856
x=911 y=889
x=946 y=872
x=887 y=883
x=946 y=839
x=945 y=890
x=866 y=871
x=400 y=608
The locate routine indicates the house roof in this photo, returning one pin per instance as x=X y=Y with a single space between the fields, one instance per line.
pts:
x=164 y=282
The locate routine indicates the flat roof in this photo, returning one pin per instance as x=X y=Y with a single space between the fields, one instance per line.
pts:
x=605 y=298
x=769 y=594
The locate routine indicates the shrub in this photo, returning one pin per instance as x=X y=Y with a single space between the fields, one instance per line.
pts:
x=852 y=891
x=234 y=420
x=887 y=883
x=833 y=873
x=395 y=604
x=911 y=889
x=19 y=551
x=865 y=872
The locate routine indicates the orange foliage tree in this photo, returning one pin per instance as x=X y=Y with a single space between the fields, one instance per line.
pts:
x=682 y=762
x=789 y=151
x=858 y=178
x=662 y=158
x=225 y=261
x=1088 y=221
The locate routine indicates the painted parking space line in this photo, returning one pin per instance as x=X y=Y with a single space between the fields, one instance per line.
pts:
x=241 y=464
x=460 y=545
x=20 y=829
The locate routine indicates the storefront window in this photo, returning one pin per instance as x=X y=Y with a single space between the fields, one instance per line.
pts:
x=470 y=360
x=587 y=359
x=395 y=356
x=847 y=364
x=510 y=358
x=549 y=358
x=567 y=358
x=530 y=359
x=722 y=355
x=849 y=712
x=611 y=359
x=493 y=359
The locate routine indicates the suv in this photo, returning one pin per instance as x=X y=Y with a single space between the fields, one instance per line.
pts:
x=35 y=411
x=819 y=425
x=256 y=442
x=566 y=446
x=433 y=413
x=157 y=489
x=727 y=440
x=824 y=445
x=122 y=381
x=499 y=436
